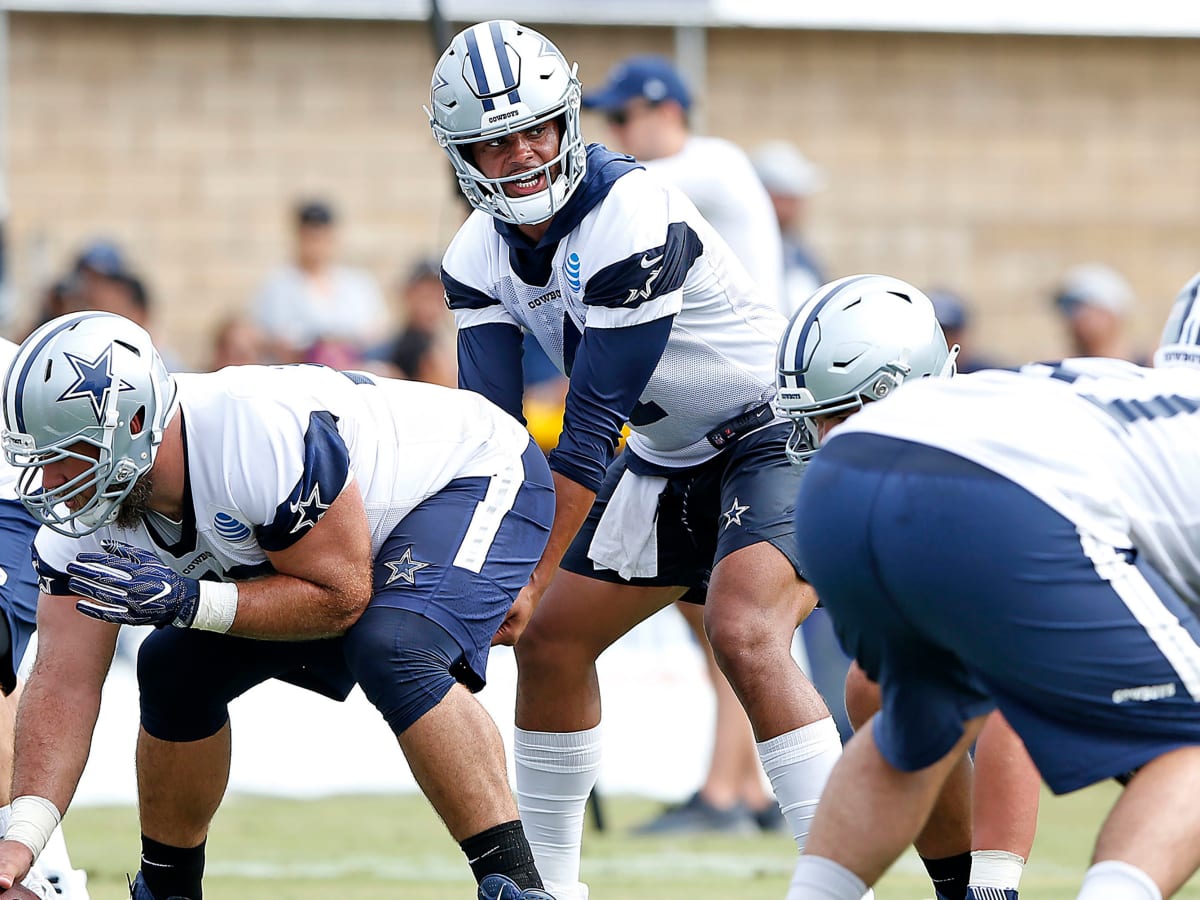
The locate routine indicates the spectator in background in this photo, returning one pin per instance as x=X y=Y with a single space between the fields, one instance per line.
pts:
x=646 y=104
x=102 y=280
x=1094 y=301
x=790 y=179
x=314 y=309
x=423 y=349
x=238 y=342
x=955 y=319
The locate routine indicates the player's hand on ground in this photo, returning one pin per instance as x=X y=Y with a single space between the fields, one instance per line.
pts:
x=518 y=617
x=131 y=586
x=15 y=860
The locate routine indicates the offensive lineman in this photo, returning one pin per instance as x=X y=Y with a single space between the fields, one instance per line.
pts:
x=635 y=297
x=291 y=522
x=1024 y=541
x=858 y=340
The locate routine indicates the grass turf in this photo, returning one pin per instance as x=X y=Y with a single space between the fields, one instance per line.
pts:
x=377 y=847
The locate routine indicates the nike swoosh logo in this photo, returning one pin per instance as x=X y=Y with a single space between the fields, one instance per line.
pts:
x=648 y=263
x=484 y=855
x=166 y=589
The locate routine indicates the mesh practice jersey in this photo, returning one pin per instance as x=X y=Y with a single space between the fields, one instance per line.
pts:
x=269 y=448
x=640 y=254
x=1112 y=446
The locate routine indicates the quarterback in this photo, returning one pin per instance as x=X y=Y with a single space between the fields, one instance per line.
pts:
x=638 y=300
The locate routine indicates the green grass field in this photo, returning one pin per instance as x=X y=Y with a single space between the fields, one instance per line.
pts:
x=371 y=848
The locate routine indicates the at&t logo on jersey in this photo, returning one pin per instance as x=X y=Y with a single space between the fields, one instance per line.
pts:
x=572 y=270
x=230 y=529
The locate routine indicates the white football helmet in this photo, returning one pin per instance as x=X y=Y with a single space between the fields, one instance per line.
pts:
x=854 y=340
x=1180 y=343
x=73 y=391
x=497 y=78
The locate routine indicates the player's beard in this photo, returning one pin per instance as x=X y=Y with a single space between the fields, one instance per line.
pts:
x=136 y=503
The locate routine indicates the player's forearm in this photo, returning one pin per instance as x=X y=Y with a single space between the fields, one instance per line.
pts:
x=285 y=608
x=55 y=721
x=571 y=504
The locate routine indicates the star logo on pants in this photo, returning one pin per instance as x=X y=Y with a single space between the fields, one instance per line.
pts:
x=405 y=568
x=733 y=515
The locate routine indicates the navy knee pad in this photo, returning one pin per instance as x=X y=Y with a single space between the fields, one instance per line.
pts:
x=175 y=687
x=187 y=678
x=404 y=662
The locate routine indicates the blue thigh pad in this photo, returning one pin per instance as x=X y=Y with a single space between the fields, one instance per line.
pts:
x=461 y=556
x=405 y=663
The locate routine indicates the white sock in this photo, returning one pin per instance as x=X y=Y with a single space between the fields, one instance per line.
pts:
x=798 y=763
x=556 y=772
x=5 y=817
x=1113 y=880
x=817 y=878
x=996 y=869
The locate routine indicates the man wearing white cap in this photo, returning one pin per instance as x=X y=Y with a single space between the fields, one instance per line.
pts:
x=1095 y=300
x=790 y=179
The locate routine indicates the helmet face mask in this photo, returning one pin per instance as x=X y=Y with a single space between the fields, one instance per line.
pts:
x=89 y=394
x=498 y=78
x=854 y=341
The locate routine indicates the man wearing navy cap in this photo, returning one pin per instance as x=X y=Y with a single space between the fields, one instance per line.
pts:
x=647 y=105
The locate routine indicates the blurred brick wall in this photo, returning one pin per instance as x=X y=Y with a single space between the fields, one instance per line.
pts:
x=985 y=163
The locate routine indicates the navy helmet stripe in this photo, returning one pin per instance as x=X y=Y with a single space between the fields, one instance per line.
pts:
x=506 y=71
x=815 y=311
x=18 y=407
x=1185 y=319
x=481 y=81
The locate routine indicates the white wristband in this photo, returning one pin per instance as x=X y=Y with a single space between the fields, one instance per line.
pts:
x=33 y=821
x=217 y=606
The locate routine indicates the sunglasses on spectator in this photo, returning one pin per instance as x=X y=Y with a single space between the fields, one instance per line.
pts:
x=619 y=118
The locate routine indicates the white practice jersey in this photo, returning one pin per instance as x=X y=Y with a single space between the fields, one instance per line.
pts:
x=269 y=448
x=640 y=254
x=1112 y=446
x=719 y=178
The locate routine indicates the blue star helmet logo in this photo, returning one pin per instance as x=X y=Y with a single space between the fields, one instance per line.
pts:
x=94 y=381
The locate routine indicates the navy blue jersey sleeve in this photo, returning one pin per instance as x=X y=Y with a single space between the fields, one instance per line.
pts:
x=463 y=296
x=612 y=368
x=489 y=363
x=50 y=579
x=656 y=272
x=326 y=472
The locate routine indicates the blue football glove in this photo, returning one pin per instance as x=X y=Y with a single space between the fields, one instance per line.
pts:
x=131 y=586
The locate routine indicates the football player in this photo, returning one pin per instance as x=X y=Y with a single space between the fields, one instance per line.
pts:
x=1024 y=541
x=291 y=522
x=18 y=619
x=635 y=297
x=855 y=341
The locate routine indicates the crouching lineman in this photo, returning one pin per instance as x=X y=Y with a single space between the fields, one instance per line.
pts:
x=855 y=341
x=50 y=878
x=299 y=523
x=1028 y=541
